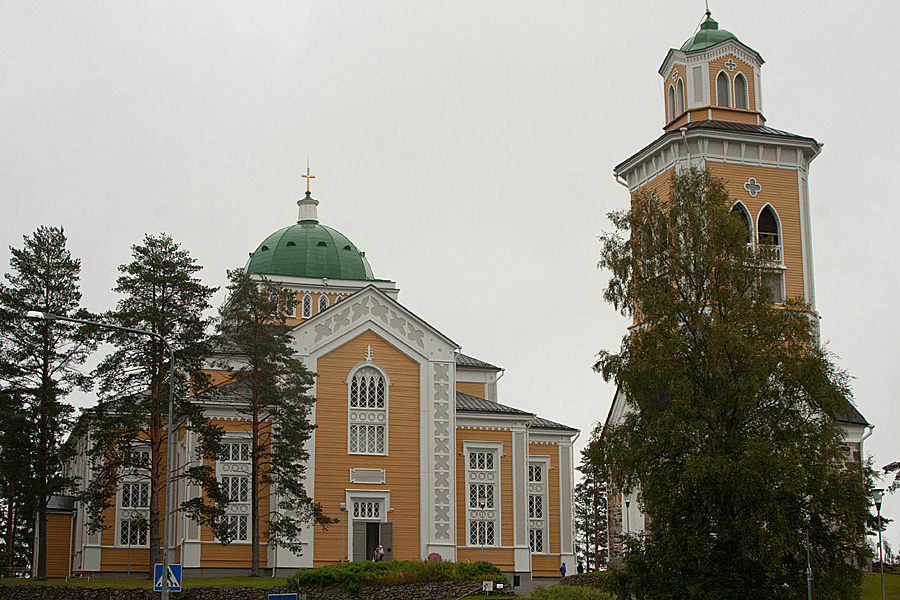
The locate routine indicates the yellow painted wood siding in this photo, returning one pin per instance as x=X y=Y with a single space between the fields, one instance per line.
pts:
x=502 y=558
x=332 y=298
x=470 y=387
x=234 y=555
x=333 y=463
x=548 y=566
x=746 y=70
x=59 y=533
x=780 y=188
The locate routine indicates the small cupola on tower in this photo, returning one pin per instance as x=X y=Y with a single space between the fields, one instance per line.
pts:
x=712 y=76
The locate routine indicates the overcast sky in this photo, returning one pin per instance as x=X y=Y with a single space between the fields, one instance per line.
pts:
x=466 y=147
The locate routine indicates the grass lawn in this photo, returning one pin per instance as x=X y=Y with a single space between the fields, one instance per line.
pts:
x=139 y=582
x=871 y=587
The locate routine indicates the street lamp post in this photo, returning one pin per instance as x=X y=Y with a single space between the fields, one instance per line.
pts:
x=877 y=495
x=44 y=316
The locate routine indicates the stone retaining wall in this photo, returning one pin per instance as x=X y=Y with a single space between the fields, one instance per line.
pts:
x=412 y=591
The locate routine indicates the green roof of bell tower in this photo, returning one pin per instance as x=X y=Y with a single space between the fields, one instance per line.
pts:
x=309 y=249
x=709 y=35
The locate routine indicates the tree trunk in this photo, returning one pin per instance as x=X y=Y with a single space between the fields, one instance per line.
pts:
x=10 y=529
x=254 y=477
x=156 y=440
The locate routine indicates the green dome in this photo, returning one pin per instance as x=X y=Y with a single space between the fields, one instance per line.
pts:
x=709 y=35
x=309 y=249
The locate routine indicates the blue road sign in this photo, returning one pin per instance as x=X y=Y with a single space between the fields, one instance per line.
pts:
x=172 y=581
x=283 y=596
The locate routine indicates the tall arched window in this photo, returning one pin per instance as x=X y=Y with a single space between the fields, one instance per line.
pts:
x=671 y=103
x=367 y=417
x=307 y=306
x=679 y=97
x=740 y=92
x=741 y=211
x=323 y=302
x=723 y=89
x=768 y=235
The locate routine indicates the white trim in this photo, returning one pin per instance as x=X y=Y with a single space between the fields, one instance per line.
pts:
x=541 y=489
x=304 y=313
x=680 y=96
x=746 y=96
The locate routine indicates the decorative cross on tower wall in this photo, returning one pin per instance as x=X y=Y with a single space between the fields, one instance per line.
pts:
x=752 y=187
x=369 y=354
x=730 y=65
x=674 y=74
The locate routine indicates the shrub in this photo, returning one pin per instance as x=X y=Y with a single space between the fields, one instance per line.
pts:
x=567 y=592
x=352 y=576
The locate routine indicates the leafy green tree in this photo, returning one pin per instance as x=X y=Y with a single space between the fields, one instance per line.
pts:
x=731 y=439
x=590 y=507
x=40 y=364
x=268 y=385
x=128 y=426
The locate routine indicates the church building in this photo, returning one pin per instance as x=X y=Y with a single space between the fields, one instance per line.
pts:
x=412 y=448
x=713 y=119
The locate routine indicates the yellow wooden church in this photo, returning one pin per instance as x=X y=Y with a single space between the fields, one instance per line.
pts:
x=412 y=450
x=713 y=119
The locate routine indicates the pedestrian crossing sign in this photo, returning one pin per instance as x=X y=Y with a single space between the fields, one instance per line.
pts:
x=172 y=581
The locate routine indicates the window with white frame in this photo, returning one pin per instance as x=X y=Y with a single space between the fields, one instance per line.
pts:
x=741 y=99
x=235 y=452
x=723 y=89
x=679 y=97
x=135 y=495
x=134 y=505
x=290 y=306
x=483 y=483
x=307 y=306
x=537 y=504
x=323 y=302
x=133 y=532
x=367 y=417
x=239 y=526
x=671 y=103
x=367 y=509
x=236 y=488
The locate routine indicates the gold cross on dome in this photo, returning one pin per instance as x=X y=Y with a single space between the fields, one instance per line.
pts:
x=308 y=177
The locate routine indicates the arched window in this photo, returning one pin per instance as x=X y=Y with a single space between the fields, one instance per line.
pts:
x=367 y=417
x=290 y=306
x=307 y=306
x=323 y=302
x=741 y=211
x=671 y=103
x=768 y=235
x=740 y=92
x=679 y=97
x=723 y=89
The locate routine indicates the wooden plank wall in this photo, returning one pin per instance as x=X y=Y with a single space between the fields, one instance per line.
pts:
x=333 y=463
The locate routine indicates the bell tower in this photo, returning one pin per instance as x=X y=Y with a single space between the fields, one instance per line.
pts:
x=712 y=76
x=713 y=120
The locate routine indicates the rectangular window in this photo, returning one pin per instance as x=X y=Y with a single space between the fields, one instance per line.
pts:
x=481 y=461
x=481 y=533
x=133 y=533
x=536 y=539
x=235 y=452
x=366 y=510
x=367 y=439
x=135 y=495
x=236 y=489
x=535 y=507
x=238 y=524
x=481 y=495
x=535 y=473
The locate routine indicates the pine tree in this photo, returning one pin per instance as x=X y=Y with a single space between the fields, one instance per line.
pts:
x=730 y=438
x=40 y=363
x=16 y=479
x=128 y=426
x=268 y=385
x=590 y=508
